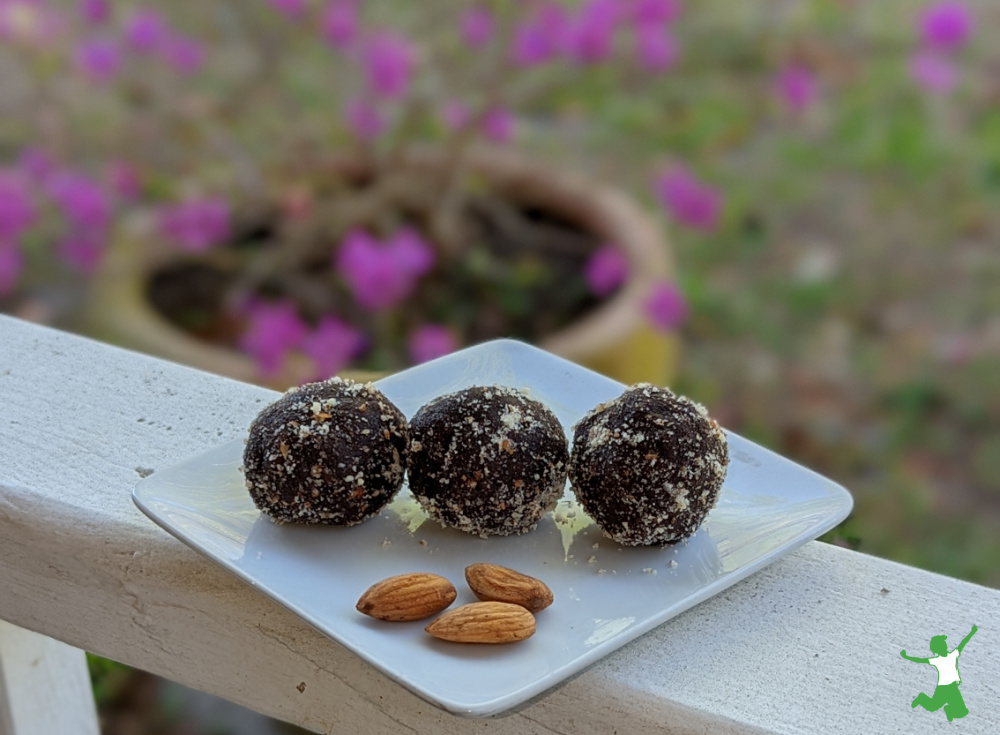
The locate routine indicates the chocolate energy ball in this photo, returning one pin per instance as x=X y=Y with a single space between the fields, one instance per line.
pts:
x=487 y=460
x=648 y=466
x=332 y=452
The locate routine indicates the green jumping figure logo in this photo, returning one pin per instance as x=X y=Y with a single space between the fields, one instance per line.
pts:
x=946 y=693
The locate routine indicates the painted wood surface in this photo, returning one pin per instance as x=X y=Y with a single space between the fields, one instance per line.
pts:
x=44 y=686
x=808 y=645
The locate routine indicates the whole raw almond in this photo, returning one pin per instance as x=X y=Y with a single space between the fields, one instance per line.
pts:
x=500 y=584
x=484 y=622
x=407 y=597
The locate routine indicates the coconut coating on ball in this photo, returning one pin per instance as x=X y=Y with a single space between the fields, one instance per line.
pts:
x=487 y=460
x=648 y=466
x=332 y=452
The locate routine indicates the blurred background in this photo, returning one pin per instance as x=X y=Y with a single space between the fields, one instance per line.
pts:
x=292 y=183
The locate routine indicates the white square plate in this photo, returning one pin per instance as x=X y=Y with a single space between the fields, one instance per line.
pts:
x=605 y=595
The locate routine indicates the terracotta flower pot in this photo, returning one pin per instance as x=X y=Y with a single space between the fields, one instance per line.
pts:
x=613 y=339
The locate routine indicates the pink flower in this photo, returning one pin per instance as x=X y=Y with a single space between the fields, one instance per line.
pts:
x=273 y=330
x=145 y=30
x=195 y=225
x=454 y=115
x=369 y=271
x=796 y=88
x=946 y=25
x=339 y=23
x=95 y=12
x=476 y=26
x=429 y=342
x=605 y=270
x=956 y=349
x=11 y=265
x=82 y=200
x=381 y=275
x=413 y=256
x=655 y=48
x=123 y=180
x=590 y=36
x=694 y=204
x=389 y=61
x=36 y=163
x=82 y=250
x=655 y=12
x=98 y=58
x=332 y=346
x=933 y=71
x=541 y=37
x=364 y=119
x=665 y=306
x=291 y=8
x=498 y=125
x=17 y=212
x=185 y=55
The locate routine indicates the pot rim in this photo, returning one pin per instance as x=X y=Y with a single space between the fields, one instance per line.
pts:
x=602 y=208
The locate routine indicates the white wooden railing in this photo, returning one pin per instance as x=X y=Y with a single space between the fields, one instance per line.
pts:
x=808 y=645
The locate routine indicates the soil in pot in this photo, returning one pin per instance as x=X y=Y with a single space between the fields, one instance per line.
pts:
x=516 y=272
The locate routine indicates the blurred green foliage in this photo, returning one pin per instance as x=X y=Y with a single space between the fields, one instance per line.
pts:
x=846 y=314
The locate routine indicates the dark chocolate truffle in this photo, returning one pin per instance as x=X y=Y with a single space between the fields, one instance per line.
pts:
x=487 y=460
x=648 y=466
x=332 y=452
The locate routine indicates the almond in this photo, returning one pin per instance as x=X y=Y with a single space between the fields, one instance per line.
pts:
x=484 y=622
x=500 y=584
x=407 y=597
